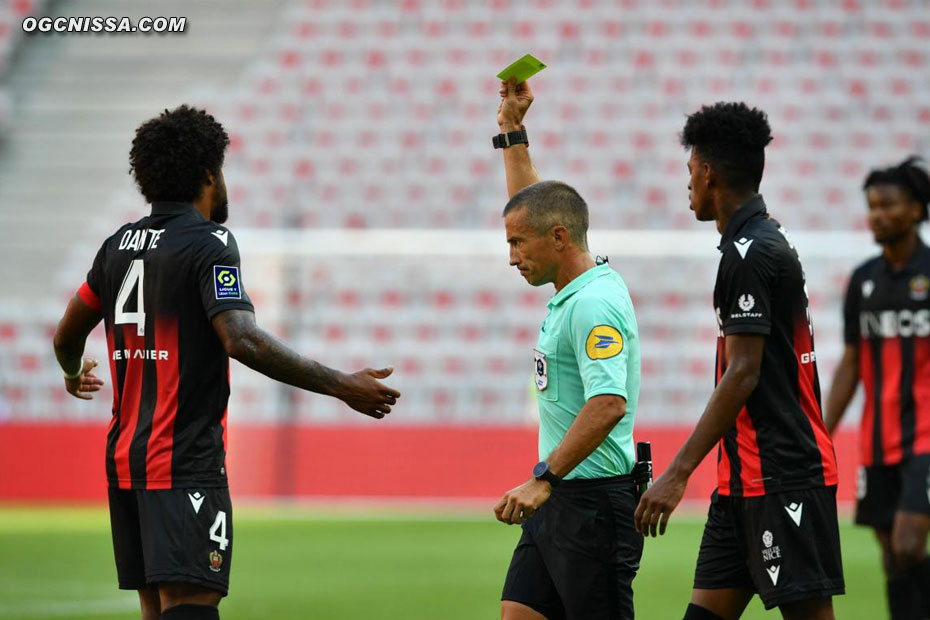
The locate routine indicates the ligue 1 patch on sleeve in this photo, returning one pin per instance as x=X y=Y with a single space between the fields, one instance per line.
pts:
x=603 y=342
x=226 y=282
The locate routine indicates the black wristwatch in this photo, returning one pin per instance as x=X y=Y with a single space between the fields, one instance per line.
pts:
x=506 y=140
x=542 y=472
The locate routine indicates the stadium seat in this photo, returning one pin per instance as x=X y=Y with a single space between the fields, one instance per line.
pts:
x=359 y=116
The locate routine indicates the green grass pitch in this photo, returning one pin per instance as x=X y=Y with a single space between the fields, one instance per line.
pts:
x=301 y=563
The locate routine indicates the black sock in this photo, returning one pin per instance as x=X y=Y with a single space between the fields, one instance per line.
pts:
x=904 y=599
x=920 y=577
x=191 y=612
x=696 y=612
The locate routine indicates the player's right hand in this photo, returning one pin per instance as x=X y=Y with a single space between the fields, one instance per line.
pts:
x=364 y=393
x=83 y=386
x=657 y=503
x=515 y=101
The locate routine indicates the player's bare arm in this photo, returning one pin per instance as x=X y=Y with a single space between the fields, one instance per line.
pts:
x=744 y=356
x=843 y=388
x=594 y=422
x=515 y=101
x=246 y=342
x=70 y=336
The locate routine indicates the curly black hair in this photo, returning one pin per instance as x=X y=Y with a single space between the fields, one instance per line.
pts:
x=908 y=175
x=732 y=137
x=172 y=153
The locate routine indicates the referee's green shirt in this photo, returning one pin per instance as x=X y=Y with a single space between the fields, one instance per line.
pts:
x=589 y=345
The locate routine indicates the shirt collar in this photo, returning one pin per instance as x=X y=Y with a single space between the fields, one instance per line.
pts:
x=579 y=283
x=174 y=208
x=913 y=263
x=754 y=207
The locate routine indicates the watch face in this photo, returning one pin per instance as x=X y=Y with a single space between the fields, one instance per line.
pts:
x=540 y=469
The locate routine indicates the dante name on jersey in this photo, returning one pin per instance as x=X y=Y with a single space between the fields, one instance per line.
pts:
x=139 y=239
x=159 y=282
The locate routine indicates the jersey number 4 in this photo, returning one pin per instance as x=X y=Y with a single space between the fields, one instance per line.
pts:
x=218 y=530
x=133 y=280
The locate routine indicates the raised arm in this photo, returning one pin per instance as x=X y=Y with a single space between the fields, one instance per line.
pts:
x=246 y=342
x=515 y=101
x=845 y=381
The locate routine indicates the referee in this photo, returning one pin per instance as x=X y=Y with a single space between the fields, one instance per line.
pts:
x=578 y=553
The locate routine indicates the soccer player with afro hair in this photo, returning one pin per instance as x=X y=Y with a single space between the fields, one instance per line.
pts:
x=772 y=526
x=886 y=318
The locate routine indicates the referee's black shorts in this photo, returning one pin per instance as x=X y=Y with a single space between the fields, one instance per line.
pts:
x=579 y=553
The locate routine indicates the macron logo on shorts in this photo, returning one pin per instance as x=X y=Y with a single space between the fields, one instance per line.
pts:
x=196 y=500
x=794 y=511
x=773 y=573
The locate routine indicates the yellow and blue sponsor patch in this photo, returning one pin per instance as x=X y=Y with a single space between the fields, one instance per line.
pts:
x=226 y=282
x=604 y=342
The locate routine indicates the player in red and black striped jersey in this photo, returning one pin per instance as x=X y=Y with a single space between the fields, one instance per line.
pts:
x=772 y=527
x=168 y=366
x=170 y=290
x=887 y=335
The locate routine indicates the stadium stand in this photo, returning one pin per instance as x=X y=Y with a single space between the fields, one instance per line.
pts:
x=378 y=115
x=369 y=114
x=12 y=13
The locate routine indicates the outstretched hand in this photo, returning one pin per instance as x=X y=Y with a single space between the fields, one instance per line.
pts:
x=84 y=385
x=515 y=101
x=364 y=393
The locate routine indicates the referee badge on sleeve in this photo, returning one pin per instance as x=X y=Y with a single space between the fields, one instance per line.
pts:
x=603 y=342
x=542 y=371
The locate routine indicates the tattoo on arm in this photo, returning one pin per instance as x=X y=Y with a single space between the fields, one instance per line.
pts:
x=246 y=342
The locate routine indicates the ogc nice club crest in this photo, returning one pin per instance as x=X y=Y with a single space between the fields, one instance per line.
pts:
x=216 y=560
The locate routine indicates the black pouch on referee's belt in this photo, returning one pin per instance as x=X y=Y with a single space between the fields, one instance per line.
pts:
x=642 y=468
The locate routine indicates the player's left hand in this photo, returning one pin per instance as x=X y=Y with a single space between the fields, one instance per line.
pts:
x=517 y=505
x=656 y=504
x=86 y=383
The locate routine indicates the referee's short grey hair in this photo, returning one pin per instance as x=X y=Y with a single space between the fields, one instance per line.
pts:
x=552 y=203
